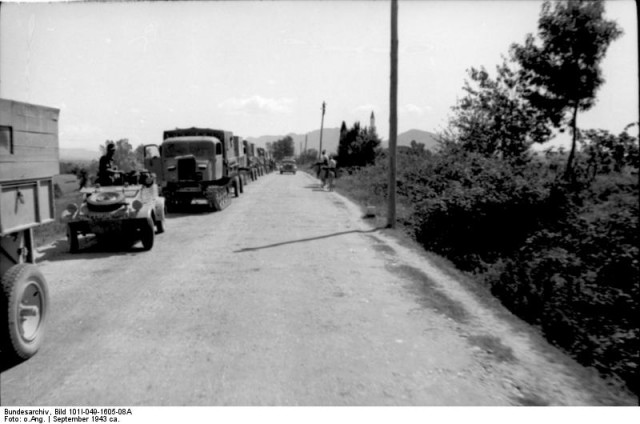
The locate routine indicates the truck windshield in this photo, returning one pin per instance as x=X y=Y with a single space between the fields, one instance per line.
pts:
x=196 y=148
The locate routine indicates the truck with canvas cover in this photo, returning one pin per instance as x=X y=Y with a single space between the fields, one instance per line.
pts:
x=28 y=161
x=243 y=160
x=264 y=160
x=195 y=164
x=251 y=159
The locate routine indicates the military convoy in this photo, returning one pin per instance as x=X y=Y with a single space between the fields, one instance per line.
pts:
x=192 y=163
x=202 y=164
x=28 y=162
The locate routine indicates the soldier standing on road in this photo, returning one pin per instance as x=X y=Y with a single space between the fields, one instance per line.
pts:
x=107 y=166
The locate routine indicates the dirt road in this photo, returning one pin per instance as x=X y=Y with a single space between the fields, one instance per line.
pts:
x=287 y=297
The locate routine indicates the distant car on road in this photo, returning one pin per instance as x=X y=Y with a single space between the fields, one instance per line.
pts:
x=288 y=165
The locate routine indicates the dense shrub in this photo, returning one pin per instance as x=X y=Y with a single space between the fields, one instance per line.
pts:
x=479 y=209
x=580 y=282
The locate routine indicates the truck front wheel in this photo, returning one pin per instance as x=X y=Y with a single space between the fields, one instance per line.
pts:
x=72 y=239
x=24 y=305
x=147 y=235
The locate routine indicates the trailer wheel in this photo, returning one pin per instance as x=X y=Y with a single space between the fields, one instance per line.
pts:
x=236 y=187
x=147 y=235
x=72 y=239
x=24 y=311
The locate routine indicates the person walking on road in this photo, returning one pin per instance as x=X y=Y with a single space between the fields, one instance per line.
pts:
x=332 y=172
x=322 y=168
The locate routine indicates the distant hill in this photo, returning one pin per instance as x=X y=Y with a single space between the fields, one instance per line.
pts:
x=331 y=137
x=429 y=139
x=78 y=155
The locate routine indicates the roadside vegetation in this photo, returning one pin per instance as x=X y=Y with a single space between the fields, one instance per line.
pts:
x=553 y=234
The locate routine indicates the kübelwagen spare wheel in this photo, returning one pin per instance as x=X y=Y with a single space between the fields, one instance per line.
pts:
x=105 y=201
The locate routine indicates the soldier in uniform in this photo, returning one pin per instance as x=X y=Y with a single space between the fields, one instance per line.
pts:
x=107 y=169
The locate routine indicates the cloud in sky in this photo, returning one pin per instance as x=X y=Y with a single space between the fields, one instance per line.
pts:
x=412 y=109
x=257 y=105
x=294 y=42
x=365 y=108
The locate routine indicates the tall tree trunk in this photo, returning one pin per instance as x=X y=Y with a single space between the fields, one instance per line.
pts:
x=569 y=170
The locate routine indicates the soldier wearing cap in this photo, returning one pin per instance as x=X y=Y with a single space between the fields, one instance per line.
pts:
x=107 y=166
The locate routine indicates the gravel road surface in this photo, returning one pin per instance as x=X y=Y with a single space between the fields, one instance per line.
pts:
x=287 y=297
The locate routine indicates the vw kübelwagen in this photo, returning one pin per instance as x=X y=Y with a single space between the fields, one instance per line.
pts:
x=28 y=162
x=131 y=210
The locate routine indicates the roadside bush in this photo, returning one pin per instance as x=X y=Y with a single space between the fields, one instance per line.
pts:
x=479 y=209
x=580 y=281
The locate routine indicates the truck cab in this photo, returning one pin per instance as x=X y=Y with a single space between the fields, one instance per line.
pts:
x=194 y=163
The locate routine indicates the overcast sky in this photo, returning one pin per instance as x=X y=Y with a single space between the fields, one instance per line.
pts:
x=132 y=70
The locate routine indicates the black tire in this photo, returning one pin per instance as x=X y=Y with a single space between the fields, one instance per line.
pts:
x=24 y=308
x=236 y=187
x=72 y=239
x=170 y=206
x=147 y=235
x=160 y=227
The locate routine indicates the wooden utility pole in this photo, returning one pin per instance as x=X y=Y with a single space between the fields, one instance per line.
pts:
x=393 y=115
x=324 y=105
x=306 y=136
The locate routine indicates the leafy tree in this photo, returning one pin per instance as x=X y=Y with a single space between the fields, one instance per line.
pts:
x=604 y=152
x=563 y=72
x=495 y=119
x=308 y=156
x=283 y=148
x=124 y=157
x=139 y=152
x=357 y=146
x=418 y=148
